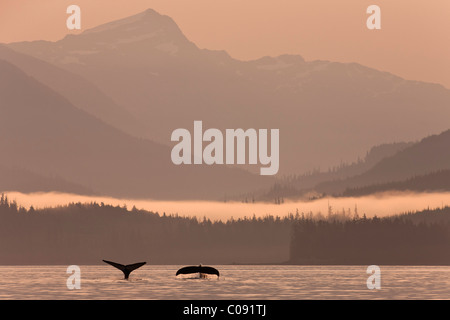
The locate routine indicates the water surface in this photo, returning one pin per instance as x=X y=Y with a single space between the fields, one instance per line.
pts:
x=272 y=282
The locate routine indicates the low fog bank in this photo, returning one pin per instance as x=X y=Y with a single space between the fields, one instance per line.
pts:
x=381 y=205
x=77 y=233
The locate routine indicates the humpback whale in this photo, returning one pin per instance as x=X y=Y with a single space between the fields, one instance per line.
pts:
x=202 y=270
x=126 y=269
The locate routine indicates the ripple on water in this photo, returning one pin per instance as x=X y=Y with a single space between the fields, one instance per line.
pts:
x=235 y=282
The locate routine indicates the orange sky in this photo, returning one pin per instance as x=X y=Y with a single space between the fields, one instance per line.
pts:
x=414 y=41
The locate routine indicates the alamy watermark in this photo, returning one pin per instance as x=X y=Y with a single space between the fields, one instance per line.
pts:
x=235 y=141
x=74 y=280
x=374 y=280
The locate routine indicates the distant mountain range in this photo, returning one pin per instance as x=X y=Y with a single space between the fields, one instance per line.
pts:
x=76 y=89
x=14 y=178
x=326 y=111
x=43 y=133
x=96 y=110
x=431 y=182
x=430 y=155
x=421 y=166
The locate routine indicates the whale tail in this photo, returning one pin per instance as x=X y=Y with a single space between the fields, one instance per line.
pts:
x=202 y=270
x=126 y=269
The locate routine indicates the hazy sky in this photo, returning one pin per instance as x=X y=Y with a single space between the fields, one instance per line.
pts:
x=414 y=41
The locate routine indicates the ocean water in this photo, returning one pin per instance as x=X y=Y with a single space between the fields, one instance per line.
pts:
x=273 y=282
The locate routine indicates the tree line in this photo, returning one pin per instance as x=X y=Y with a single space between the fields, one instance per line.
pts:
x=412 y=238
x=86 y=233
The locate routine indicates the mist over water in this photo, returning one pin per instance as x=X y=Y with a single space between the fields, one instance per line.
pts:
x=383 y=204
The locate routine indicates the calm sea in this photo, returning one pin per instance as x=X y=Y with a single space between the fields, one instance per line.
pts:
x=235 y=282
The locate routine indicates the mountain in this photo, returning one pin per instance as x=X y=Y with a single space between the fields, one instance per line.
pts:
x=304 y=185
x=430 y=155
x=23 y=180
x=346 y=170
x=326 y=111
x=43 y=132
x=76 y=89
x=436 y=181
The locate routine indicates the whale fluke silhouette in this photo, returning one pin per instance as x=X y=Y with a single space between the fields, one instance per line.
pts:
x=126 y=269
x=198 y=269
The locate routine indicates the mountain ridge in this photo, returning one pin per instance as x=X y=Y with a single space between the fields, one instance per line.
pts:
x=76 y=89
x=42 y=132
x=429 y=155
x=326 y=111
